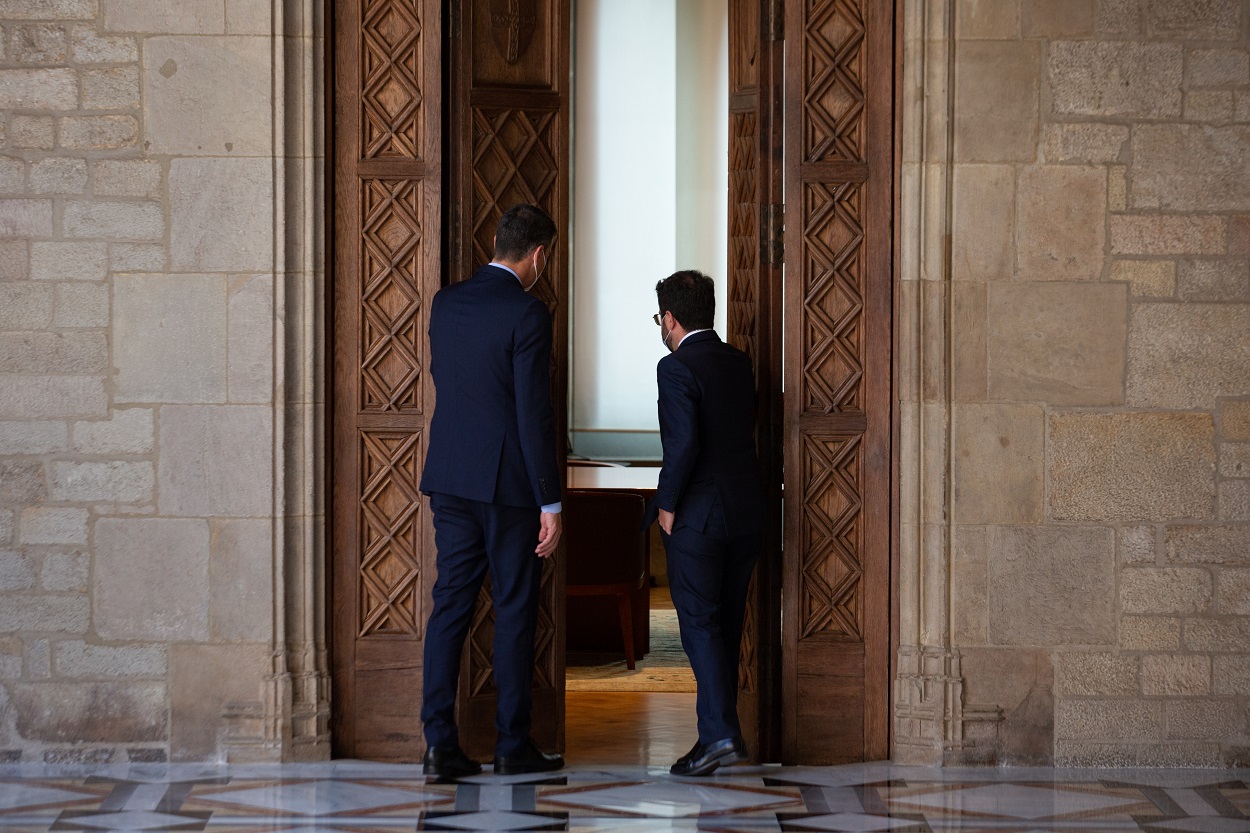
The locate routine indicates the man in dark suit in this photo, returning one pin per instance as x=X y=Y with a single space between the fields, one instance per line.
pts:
x=494 y=484
x=710 y=505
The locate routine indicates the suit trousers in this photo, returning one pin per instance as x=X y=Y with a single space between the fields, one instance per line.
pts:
x=709 y=573
x=471 y=536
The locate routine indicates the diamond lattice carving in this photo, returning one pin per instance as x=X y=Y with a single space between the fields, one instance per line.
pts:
x=390 y=530
x=833 y=300
x=481 y=643
x=831 y=578
x=744 y=244
x=390 y=301
x=545 y=635
x=482 y=637
x=514 y=160
x=390 y=94
x=833 y=71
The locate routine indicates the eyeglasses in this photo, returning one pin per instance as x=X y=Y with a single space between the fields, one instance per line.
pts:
x=658 y=318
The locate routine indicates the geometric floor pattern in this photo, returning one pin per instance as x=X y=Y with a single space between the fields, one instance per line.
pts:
x=363 y=797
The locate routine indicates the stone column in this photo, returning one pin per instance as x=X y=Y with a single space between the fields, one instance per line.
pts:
x=929 y=712
x=291 y=721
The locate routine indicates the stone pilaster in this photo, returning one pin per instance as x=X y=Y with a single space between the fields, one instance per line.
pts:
x=291 y=720
x=931 y=721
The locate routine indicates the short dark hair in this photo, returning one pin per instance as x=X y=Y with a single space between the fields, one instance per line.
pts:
x=690 y=296
x=521 y=228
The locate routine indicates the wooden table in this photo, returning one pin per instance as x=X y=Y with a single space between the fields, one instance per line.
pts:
x=593 y=625
x=641 y=479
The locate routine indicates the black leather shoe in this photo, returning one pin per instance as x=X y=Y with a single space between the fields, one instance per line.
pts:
x=689 y=756
x=529 y=759
x=449 y=762
x=705 y=758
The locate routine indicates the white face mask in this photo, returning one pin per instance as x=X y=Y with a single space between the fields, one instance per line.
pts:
x=664 y=336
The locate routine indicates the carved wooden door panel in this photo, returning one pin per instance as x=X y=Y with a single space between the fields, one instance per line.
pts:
x=508 y=113
x=755 y=134
x=385 y=270
x=838 y=300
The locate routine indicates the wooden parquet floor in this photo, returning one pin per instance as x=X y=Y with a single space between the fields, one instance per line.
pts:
x=628 y=727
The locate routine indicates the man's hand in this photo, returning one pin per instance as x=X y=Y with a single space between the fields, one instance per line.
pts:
x=548 y=534
x=666 y=521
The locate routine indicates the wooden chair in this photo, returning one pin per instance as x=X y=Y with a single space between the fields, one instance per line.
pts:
x=608 y=552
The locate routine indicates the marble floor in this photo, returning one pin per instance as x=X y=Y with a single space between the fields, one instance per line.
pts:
x=362 y=797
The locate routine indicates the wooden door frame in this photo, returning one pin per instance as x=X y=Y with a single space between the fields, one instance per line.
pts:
x=327 y=324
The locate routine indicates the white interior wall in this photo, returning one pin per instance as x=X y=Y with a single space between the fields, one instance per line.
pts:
x=650 y=149
x=702 y=145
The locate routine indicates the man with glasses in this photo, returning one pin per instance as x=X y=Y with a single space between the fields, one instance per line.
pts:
x=493 y=479
x=710 y=505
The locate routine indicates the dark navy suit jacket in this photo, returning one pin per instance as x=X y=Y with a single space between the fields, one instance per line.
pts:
x=707 y=426
x=492 y=438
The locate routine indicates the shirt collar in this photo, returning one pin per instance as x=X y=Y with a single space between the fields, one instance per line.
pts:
x=689 y=334
x=501 y=266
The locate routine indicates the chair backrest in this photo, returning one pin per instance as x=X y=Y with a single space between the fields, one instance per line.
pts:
x=604 y=539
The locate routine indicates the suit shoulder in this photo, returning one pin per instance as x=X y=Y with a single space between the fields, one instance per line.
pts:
x=721 y=347
x=689 y=355
x=674 y=368
x=531 y=311
x=533 y=302
x=724 y=349
x=740 y=354
x=441 y=296
x=451 y=290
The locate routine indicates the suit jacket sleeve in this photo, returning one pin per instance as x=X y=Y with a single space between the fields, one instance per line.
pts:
x=679 y=430
x=531 y=371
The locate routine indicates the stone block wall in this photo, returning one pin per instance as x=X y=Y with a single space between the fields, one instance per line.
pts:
x=160 y=358
x=137 y=374
x=1101 y=377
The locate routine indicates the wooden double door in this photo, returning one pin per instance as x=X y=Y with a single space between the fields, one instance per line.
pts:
x=442 y=115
